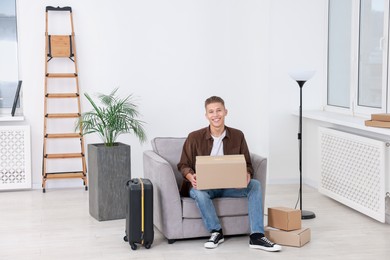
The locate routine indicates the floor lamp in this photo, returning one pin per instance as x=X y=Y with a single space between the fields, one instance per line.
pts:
x=301 y=77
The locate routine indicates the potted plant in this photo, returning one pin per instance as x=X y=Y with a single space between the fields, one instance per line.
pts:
x=109 y=164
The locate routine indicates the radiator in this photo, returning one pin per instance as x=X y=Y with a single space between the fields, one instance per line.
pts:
x=15 y=162
x=353 y=171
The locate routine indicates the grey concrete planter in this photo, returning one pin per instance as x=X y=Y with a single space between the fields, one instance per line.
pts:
x=109 y=169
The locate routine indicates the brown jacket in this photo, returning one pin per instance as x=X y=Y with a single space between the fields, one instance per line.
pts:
x=200 y=142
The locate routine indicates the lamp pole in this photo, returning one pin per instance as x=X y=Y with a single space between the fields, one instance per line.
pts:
x=300 y=83
x=301 y=78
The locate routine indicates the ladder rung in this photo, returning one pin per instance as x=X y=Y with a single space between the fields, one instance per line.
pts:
x=68 y=135
x=61 y=75
x=63 y=155
x=62 y=95
x=64 y=175
x=63 y=115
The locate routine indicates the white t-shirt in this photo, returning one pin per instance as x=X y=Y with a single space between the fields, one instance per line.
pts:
x=217 y=149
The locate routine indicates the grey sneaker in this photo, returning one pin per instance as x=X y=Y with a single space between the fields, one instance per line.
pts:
x=264 y=243
x=215 y=239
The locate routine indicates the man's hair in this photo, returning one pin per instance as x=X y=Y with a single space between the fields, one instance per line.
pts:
x=214 y=99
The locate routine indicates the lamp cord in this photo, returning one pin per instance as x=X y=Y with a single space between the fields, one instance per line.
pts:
x=296 y=204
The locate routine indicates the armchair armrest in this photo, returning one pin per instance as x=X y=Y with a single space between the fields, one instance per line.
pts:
x=259 y=164
x=167 y=202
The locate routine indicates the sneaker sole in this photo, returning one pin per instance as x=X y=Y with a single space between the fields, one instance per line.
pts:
x=269 y=249
x=212 y=246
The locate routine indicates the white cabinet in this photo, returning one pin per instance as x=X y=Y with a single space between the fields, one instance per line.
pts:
x=15 y=157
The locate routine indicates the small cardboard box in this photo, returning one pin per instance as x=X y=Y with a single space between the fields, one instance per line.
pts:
x=284 y=218
x=375 y=123
x=221 y=172
x=295 y=238
x=381 y=117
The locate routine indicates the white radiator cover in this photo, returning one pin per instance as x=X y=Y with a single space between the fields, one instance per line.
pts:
x=353 y=171
x=15 y=157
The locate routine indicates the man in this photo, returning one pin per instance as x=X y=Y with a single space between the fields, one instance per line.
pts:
x=215 y=140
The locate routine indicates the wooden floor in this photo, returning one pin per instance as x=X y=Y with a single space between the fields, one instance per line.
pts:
x=57 y=225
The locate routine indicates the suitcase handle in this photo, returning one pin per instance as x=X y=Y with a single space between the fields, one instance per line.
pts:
x=135 y=181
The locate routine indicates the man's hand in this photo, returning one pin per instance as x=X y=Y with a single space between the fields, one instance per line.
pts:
x=192 y=179
x=248 y=178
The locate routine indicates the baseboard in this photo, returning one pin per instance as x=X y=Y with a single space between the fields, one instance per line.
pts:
x=282 y=181
x=308 y=182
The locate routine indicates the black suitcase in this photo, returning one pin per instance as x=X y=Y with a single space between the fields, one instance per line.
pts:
x=139 y=213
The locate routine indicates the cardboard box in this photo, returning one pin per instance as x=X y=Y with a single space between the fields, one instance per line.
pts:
x=221 y=172
x=295 y=238
x=284 y=218
x=375 y=123
x=380 y=117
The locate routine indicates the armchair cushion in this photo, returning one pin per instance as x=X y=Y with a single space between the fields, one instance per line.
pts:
x=224 y=206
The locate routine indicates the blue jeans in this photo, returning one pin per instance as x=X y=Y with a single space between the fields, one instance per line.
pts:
x=254 y=194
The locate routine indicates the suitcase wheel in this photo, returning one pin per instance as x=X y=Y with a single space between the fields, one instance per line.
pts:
x=125 y=239
x=148 y=245
x=133 y=246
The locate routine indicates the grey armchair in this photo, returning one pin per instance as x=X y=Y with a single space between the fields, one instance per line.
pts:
x=178 y=217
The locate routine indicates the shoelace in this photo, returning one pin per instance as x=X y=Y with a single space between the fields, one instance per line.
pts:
x=213 y=236
x=267 y=241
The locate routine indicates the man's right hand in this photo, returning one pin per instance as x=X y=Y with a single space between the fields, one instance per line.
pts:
x=192 y=179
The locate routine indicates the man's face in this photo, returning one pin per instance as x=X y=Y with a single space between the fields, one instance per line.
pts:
x=215 y=113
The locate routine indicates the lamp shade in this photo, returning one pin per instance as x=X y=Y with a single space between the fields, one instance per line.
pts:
x=302 y=75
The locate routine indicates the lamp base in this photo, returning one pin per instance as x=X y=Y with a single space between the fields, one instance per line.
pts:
x=307 y=214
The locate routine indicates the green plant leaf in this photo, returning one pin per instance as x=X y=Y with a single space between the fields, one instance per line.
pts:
x=117 y=116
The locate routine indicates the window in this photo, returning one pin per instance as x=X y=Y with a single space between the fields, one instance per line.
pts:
x=8 y=55
x=339 y=54
x=358 y=55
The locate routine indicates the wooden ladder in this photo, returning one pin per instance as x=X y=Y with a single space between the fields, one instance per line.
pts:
x=60 y=47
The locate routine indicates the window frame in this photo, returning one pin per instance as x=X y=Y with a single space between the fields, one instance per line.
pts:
x=355 y=109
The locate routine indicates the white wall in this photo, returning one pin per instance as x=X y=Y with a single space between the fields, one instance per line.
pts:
x=172 y=55
x=297 y=41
